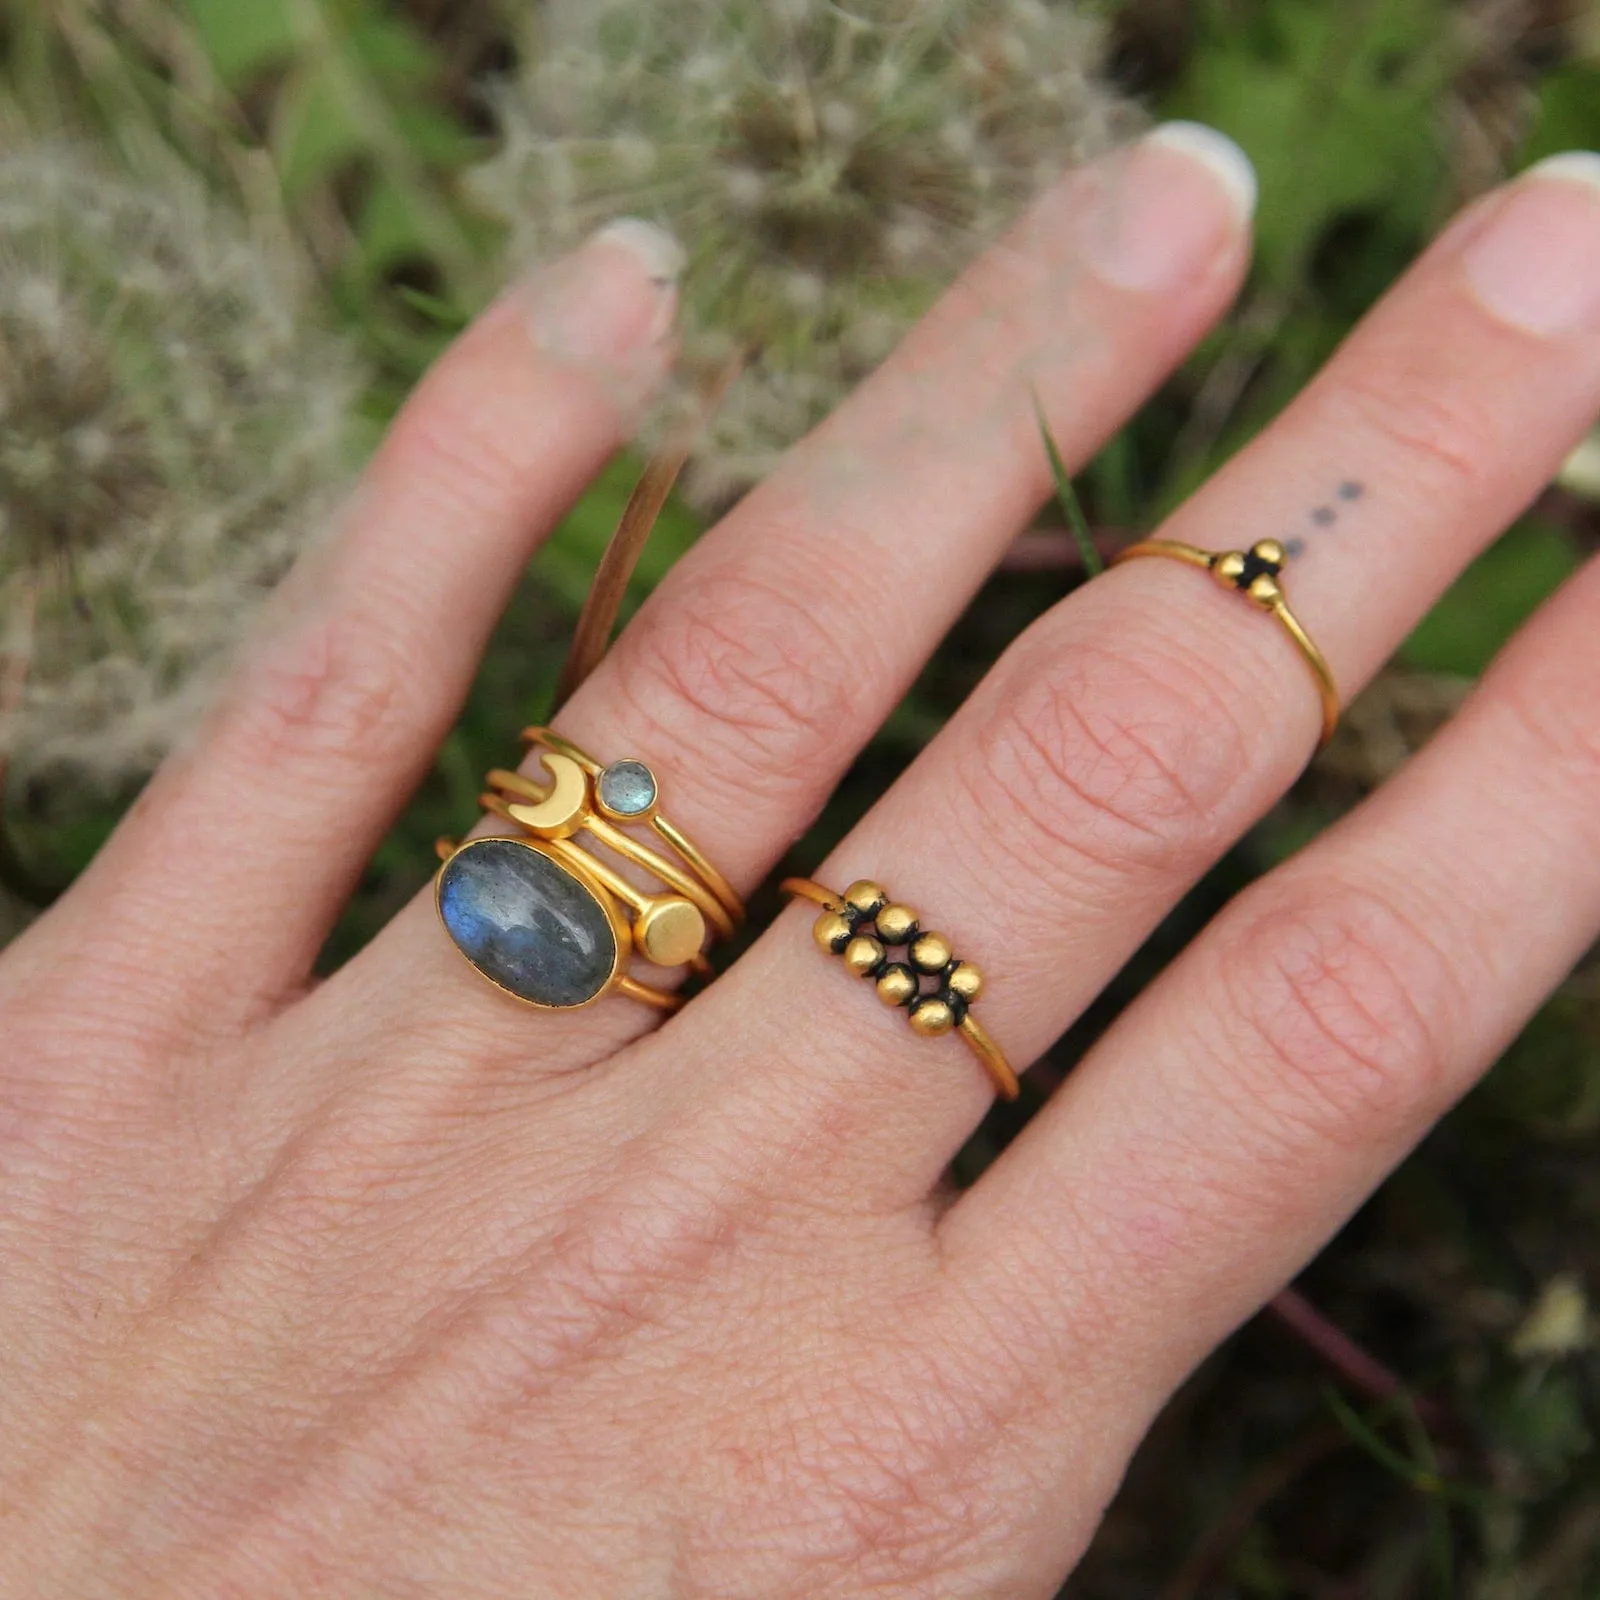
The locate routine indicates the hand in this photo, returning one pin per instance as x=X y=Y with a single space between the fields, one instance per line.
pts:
x=392 y=1287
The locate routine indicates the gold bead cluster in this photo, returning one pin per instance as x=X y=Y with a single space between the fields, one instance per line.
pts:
x=866 y=926
x=1255 y=571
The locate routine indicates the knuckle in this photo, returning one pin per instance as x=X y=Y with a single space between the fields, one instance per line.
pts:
x=1118 y=756
x=1336 y=1005
x=1440 y=430
x=344 y=687
x=760 y=676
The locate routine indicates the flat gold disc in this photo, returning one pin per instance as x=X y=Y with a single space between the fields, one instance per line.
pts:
x=670 y=931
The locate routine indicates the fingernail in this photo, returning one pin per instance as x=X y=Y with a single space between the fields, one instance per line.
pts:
x=1536 y=262
x=660 y=254
x=1179 y=197
x=612 y=298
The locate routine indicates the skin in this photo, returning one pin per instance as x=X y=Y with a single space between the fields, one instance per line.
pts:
x=389 y=1287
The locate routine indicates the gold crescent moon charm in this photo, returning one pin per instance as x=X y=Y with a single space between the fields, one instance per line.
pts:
x=564 y=810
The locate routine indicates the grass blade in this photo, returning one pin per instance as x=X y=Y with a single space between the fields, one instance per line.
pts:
x=1067 y=497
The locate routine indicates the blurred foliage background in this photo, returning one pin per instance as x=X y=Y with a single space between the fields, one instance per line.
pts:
x=1420 y=1418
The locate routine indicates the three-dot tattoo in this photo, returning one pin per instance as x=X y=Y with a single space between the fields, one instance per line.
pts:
x=1325 y=515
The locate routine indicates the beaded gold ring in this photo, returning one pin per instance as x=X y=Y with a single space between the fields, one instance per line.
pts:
x=863 y=926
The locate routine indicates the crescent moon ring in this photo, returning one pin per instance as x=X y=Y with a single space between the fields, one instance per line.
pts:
x=564 y=810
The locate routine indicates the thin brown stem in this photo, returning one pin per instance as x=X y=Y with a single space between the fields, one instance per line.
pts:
x=592 y=636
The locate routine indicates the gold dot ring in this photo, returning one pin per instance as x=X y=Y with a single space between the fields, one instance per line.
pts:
x=1256 y=574
x=864 y=928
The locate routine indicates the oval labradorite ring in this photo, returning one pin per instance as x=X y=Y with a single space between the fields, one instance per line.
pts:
x=554 y=922
x=936 y=989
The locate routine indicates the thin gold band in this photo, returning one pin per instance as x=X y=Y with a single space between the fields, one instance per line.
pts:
x=691 y=888
x=1256 y=575
x=692 y=855
x=630 y=894
x=862 y=925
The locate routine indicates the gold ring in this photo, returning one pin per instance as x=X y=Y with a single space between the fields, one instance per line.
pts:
x=863 y=925
x=555 y=924
x=1254 y=573
x=633 y=798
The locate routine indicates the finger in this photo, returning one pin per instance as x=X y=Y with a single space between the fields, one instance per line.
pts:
x=233 y=864
x=1269 y=1080
x=782 y=641
x=1134 y=733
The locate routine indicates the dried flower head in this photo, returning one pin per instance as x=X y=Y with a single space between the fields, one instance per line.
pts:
x=829 y=167
x=172 y=422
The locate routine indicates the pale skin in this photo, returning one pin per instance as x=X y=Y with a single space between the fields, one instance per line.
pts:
x=391 y=1287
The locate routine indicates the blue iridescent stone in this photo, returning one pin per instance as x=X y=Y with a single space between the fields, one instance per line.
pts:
x=527 y=923
x=627 y=788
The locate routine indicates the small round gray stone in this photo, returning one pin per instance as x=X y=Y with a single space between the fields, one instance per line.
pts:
x=627 y=788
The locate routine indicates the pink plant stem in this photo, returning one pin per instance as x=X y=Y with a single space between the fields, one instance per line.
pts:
x=1053 y=550
x=1358 y=1367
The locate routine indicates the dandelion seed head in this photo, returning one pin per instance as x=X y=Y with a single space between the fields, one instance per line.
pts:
x=745 y=189
x=171 y=433
x=840 y=121
x=806 y=292
x=827 y=166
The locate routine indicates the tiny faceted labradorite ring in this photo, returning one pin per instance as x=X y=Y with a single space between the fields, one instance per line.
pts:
x=864 y=928
x=1255 y=573
x=553 y=922
x=626 y=792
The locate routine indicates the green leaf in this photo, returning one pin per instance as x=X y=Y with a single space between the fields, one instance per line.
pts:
x=355 y=92
x=1538 y=1415
x=1364 y=1434
x=313 y=132
x=244 y=38
x=1491 y=600
x=1569 y=112
x=1336 y=105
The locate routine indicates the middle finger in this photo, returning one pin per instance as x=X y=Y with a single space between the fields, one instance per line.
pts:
x=777 y=647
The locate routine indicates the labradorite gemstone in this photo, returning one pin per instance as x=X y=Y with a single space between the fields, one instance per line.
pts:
x=526 y=922
x=628 y=788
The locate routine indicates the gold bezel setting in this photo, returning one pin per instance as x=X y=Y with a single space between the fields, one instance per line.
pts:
x=670 y=923
x=563 y=864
